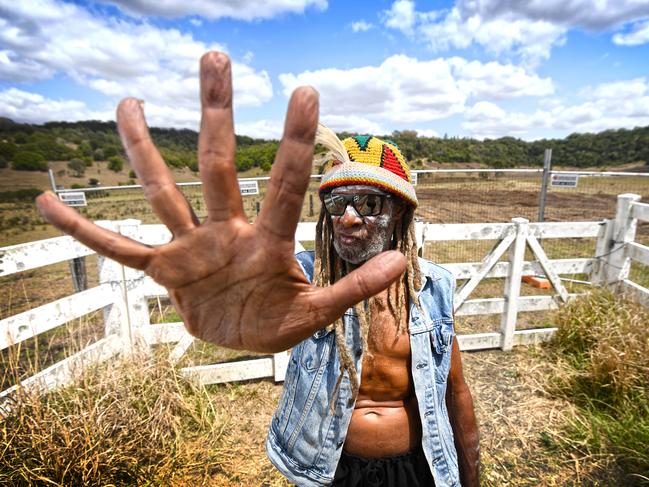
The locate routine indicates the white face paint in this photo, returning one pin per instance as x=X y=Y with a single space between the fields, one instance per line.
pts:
x=357 y=239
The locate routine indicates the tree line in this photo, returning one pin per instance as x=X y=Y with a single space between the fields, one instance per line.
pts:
x=30 y=147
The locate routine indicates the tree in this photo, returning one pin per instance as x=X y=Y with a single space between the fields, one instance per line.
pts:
x=115 y=163
x=77 y=166
x=29 y=161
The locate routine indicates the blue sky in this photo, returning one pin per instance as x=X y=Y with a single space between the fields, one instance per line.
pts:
x=469 y=68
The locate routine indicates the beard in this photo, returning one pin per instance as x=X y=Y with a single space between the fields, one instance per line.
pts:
x=360 y=250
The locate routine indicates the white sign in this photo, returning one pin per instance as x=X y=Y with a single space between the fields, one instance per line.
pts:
x=74 y=199
x=564 y=180
x=413 y=175
x=248 y=187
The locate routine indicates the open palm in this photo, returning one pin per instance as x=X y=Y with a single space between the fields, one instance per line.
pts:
x=234 y=284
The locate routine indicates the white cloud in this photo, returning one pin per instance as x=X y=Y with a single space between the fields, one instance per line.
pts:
x=216 y=9
x=401 y=16
x=487 y=120
x=639 y=34
x=115 y=57
x=427 y=133
x=619 y=104
x=493 y=80
x=196 y=22
x=588 y=14
x=261 y=129
x=401 y=89
x=406 y=90
x=27 y=107
x=361 y=26
x=527 y=29
x=352 y=123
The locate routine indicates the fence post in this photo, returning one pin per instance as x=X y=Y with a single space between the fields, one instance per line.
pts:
x=280 y=364
x=615 y=260
x=137 y=306
x=129 y=311
x=547 y=163
x=513 y=284
x=602 y=247
x=110 y=273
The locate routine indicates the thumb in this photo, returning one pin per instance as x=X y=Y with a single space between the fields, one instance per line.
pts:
x=368 y=280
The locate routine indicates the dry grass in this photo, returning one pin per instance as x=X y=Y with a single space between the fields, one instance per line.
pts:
x=130 y=423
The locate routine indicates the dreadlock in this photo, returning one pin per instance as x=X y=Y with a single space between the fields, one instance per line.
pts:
x=329 y=268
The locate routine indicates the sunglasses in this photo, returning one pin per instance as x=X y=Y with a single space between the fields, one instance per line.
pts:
x=368 y=204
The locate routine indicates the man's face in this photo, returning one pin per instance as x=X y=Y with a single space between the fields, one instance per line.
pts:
x=359 y=238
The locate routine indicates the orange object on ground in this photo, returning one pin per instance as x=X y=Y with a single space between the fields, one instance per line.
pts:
x=540 y=282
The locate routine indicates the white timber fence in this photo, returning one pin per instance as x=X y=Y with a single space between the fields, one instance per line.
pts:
x=123 y=293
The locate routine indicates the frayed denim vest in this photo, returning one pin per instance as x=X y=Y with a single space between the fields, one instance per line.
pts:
x=305 y=438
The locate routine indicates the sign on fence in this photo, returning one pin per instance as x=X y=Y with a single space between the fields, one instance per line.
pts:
x=564 y=180
x=248 y=187
x=413 y=175
x=77 y=198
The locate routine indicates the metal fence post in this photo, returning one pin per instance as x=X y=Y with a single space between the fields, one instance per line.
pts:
x=547 y=164
x=616 y=260
x=513 y=284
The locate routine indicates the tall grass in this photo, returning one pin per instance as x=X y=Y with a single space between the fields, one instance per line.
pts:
x=602 y=366
x=135 y=422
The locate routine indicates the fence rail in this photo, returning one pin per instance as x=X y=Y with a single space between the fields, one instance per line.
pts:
x=123 y=293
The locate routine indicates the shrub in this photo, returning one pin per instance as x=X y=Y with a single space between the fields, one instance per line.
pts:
x=98 y=155
x=115 y=163
x=131 y=174
x=29 y=161
x=93 y=182
x=27 y=194
x=77 y=166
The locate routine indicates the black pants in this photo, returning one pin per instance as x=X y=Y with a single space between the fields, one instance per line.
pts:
x=407 y=470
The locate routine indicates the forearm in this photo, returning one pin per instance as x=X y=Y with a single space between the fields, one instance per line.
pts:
x=465 y=432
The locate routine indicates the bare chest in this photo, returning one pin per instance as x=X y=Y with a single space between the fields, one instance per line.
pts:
x=386 y=366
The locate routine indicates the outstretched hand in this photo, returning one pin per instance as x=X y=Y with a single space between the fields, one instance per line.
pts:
x=234 y=284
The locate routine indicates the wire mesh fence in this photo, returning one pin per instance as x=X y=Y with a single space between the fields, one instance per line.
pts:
x=445 y=196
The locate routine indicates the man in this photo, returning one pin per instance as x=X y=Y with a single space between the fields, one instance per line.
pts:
x=365 y=401
x=235 y=284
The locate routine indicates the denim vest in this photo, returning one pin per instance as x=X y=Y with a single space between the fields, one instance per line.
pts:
x=305 y=438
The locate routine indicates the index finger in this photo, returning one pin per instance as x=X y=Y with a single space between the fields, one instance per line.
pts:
x=289 y=176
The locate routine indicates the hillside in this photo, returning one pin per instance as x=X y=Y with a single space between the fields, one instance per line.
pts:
x=90 y=152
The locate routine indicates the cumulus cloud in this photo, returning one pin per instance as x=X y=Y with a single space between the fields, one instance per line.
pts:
x=639 y=34
x=406 y=90
x=527 y=29
x=27 y=107
x=427 y=133
x=361 y=26
x=619 y=104
x=261 y=129
x=115 y=57
x=401 y=16
x=216 y=9
x=352 y=123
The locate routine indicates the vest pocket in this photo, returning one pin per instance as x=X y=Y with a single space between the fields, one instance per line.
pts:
x=315 y=349
x=441 y=338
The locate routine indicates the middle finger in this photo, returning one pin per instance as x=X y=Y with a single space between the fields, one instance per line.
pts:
x=160 y=188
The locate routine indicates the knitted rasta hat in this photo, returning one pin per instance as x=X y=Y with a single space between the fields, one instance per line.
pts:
x=373 y=162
